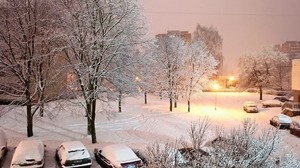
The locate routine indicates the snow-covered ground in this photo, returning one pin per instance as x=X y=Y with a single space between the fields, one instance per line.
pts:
x=138 y=124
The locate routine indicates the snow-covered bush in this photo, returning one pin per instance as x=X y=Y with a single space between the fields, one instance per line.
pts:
x=241 y=147
x=164 y=155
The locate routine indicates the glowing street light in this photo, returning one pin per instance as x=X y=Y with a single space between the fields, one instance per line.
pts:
x=231 y=78
x=216 y=87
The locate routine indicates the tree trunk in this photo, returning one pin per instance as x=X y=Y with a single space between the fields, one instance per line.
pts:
x=93 y=129
x=91 y=114
x=171 y=104
x=29 y=121
x=88 y=116
x=145 y=97
x=160 y=95
x=175 y=101
x=120 y=102
x=189 y=106
x=260 y=92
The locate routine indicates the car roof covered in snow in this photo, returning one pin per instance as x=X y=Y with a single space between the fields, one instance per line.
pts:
x=119 y=153
x=284 y=118
x=73 y=145
x=28 y=151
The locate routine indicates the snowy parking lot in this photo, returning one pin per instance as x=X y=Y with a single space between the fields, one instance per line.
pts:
x=138 y=124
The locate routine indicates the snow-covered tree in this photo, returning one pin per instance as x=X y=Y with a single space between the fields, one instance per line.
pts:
x=281 y=75
x=101 y=37
x=257 y=69
x=199 y=66
x=27 y=45
x=169 y=55
x=145 y=71
x=213 y=41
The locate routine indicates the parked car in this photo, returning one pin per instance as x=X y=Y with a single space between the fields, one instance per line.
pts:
x=295 y=128
x=282 y=98
x=272 y=103
x=117 y=156
x=281 y=121
x=3 y=145
x=250 y=106
x=29 y=153
x=73 y=154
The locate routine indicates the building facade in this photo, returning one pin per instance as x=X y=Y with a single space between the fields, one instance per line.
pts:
x=185 y=35
x=296 y=79
x=291 y=48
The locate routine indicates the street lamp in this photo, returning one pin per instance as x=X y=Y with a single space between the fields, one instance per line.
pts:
x=216 y=87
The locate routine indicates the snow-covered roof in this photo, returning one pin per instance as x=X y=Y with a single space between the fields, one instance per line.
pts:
x=28 y=151
x=119 y=153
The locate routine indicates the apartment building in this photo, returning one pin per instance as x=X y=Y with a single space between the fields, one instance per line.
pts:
x=296 y=79
x=183 y=34
x=291 y=48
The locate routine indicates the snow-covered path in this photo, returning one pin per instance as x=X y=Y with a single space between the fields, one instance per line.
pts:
x=138 y=124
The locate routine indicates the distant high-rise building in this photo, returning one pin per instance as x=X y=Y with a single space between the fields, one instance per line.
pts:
x=291 y=48
x=185 y=35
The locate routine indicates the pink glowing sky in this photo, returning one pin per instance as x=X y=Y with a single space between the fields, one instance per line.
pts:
x=245 y=25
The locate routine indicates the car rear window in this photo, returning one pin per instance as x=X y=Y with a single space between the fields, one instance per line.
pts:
x=77 y=162
x=132 y=164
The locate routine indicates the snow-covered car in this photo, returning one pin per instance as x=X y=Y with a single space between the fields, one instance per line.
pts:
x=281 y=121
x=29 y=153
x=3 y=145
x=272 y=103
x=117 y=156
x=73 y=154
x=282 y=98
x=295 y=128
x=250 y=106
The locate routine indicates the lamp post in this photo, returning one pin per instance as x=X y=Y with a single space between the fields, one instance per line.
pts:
x=216 y=87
